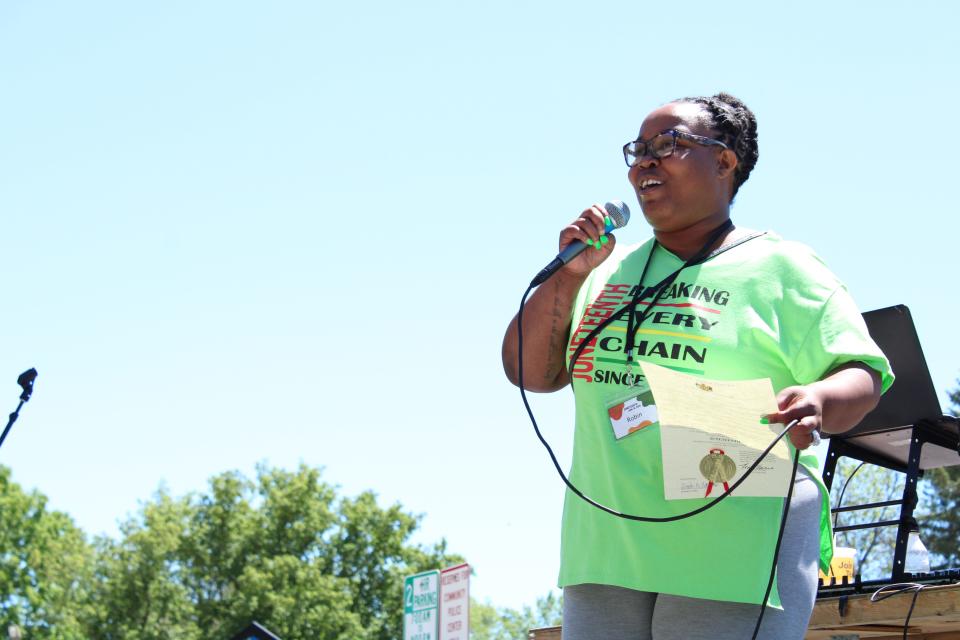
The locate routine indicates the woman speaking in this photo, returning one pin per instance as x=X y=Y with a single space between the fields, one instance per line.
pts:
x=741 y=305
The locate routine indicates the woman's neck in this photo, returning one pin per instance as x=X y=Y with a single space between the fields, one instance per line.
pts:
x=686 y=243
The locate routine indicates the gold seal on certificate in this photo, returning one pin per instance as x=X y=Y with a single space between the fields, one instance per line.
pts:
x=698 y=415
x=718 y=467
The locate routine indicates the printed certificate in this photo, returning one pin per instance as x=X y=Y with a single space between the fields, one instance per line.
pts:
x=711 y=432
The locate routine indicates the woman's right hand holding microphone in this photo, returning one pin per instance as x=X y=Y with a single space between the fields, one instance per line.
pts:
x=589 y=228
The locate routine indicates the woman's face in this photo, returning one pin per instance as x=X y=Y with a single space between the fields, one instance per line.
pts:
x=695 y=182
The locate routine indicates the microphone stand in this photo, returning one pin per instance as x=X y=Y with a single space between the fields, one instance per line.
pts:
x=26 y=382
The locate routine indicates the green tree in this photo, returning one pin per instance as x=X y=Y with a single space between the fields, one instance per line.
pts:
x=45 y=566
x=282 y=549
x=136 y=587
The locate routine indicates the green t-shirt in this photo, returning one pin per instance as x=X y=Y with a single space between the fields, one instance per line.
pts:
x=765 y=309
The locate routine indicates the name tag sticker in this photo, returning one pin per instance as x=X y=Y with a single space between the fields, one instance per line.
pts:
x=633 y=413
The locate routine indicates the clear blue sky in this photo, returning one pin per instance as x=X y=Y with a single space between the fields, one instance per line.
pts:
x=295 y=231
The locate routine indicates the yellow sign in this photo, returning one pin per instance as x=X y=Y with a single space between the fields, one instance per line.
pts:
x=843 y=565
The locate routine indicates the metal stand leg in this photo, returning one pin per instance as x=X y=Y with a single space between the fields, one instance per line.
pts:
x=909 y=503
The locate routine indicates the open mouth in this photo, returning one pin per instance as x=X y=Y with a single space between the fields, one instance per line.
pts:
x=649 y=184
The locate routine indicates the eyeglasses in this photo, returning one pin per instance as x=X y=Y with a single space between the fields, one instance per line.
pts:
x=662 y=145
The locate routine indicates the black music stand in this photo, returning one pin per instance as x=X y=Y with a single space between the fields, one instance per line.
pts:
x=907 y=432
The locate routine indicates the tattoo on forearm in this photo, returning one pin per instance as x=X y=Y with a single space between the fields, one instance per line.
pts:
x=555 y=349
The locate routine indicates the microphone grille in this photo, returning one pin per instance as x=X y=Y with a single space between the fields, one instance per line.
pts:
x=619 y=213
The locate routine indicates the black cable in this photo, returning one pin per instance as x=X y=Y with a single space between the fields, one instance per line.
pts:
x=776 y=549
x=836 y=514
x=843 y=491
x=712 y=503
x=589 y=500
x=658 y=290
x=896 y=589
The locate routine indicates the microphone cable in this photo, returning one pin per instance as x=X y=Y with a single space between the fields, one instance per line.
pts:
x=836 y=515
x=638 y=518
x=891 y=590
x=588 y=499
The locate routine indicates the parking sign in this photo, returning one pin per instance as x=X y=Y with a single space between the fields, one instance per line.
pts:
x=421 y=606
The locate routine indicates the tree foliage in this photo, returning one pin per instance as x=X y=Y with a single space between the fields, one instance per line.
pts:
x=282 y=548
x=45 y=566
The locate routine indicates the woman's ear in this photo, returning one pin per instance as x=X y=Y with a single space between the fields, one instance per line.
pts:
x=726 y=163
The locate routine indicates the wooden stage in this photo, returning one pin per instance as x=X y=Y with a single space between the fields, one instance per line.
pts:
x=936 y=616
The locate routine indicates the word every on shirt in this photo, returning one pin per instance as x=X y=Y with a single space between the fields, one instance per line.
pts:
x=612 y=298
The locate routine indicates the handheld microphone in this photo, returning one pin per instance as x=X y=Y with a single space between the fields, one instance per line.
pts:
x=619 y=216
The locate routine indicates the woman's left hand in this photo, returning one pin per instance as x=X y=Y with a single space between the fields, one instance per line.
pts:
x=806 y=406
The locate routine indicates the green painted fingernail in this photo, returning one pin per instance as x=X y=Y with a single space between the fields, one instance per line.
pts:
x=604 y=239
x=764 y=420
x=589 y=242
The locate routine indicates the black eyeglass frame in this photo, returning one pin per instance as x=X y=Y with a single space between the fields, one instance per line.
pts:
x=674 y=133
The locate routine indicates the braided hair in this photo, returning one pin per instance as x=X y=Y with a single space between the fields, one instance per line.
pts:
x=737 y=128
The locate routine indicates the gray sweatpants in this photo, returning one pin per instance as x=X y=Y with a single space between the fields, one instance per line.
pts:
x=603 y=612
